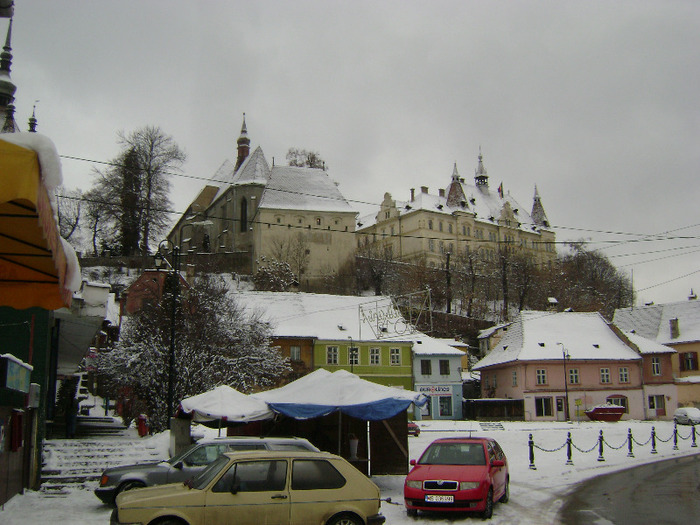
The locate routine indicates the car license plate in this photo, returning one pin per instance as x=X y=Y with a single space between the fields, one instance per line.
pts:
x=434 y=498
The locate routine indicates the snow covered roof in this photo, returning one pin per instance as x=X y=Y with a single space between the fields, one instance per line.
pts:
x=425 y=345
x=654 y=321
x=538 y=336
x=296 y=188
x=648 y=346
x=488 y=332
x=487 y=206
x=328 y=317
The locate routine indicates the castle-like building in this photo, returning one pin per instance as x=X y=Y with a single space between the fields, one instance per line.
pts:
x=461 y=220
x=284 y=213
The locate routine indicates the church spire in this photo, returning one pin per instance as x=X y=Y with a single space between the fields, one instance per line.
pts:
x=32 y=120
x=7 y=87
x=481 y=178
x=538 y=214
x=243 y=145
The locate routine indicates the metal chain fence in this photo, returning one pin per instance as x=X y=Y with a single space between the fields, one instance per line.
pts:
x=601 y=443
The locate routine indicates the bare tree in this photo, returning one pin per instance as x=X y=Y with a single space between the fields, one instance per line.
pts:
x=69 y=209
x=135 y=188
x=293 y=250
x=304 y=158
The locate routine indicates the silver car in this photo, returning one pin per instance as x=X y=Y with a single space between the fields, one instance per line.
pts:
x=687 y=416
x=187 y=464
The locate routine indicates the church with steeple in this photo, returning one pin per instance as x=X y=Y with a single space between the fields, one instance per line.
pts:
x=463 y=220
x=254 y=212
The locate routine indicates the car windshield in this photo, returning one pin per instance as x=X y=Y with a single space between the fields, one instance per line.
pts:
x=201 y=480
x=454 y=454
x=178 y=457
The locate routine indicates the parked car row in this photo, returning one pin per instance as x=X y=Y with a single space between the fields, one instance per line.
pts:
x=288 y=480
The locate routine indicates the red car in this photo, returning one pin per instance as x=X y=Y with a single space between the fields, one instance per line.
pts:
x=458 y=474
x=413 y=429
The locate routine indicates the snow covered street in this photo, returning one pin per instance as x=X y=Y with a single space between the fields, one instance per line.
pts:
x=536 y=494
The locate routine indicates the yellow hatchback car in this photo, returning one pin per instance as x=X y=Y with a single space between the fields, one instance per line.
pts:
x=258 y=488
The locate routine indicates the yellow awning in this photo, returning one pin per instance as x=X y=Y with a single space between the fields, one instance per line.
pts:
x=32 y=261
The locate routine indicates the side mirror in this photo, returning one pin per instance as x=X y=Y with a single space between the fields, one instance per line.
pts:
x=498 y=463
x=412 y=462
x=178 y=465
x=235 y=487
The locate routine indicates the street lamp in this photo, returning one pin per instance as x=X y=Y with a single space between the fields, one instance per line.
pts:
x=565 y=355
x=167 y=248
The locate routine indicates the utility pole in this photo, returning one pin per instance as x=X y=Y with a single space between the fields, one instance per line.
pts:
x=448 y=283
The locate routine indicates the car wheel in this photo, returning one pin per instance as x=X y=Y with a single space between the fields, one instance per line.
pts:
x=345 y=519
x=412 y=512
x=488 y=511
x=506 y=493
x=129 y=485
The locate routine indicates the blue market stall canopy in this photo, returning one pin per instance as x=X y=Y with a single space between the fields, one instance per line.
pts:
x=321 y=393
x=226 y=404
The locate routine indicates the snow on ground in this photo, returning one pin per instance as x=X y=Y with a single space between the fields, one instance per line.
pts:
x=536 y=495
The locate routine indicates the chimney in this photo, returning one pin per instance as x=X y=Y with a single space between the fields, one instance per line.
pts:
x=424 y=189
x=675 y=331
x=441 y=192
x=413 y=194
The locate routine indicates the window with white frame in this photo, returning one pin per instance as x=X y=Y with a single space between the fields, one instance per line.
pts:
x=573 y=376
x=656 y=366
x=657 y=402
x=543 y=406
x=604 y=375
x=374 y=358
x=618 y=400
x=331 y=355
x=395 y=354
x=624 y=373
x=353 y=355
x=541 y=376
x=295 y=353
x=426 y=368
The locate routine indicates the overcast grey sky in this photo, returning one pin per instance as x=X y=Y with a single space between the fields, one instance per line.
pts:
x=594 y=102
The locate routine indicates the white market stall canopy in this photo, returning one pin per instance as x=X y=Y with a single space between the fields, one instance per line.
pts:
x=227 y=404
x=322 y=392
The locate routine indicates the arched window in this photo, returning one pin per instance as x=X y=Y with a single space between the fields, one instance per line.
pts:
x=619 y=401
x=244 y=215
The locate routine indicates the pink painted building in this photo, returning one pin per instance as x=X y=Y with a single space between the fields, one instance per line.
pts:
x=549 y=358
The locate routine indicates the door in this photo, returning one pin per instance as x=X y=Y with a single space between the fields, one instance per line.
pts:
x=250 y=493
x=561 y=410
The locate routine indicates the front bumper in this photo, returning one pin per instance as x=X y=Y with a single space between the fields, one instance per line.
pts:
x=464 y=501
x=106 y=494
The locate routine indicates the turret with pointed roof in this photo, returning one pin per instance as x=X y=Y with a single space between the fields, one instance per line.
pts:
x=539 y=217
x=481 y=178
x=243 y=145
x=455 y=193
x=7 y=87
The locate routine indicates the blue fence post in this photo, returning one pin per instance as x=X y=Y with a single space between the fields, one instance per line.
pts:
x=568 y=449
x=531 y=445
x=675 y=436
x=694 y=445
x=653 y=440
x=630 y=454
x=600 y=447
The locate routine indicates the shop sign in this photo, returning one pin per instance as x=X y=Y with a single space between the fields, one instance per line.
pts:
x=435 y=390
x=14 y=374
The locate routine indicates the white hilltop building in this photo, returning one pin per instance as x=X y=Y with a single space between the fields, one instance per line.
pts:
x=461 y=219
x=285 y=213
